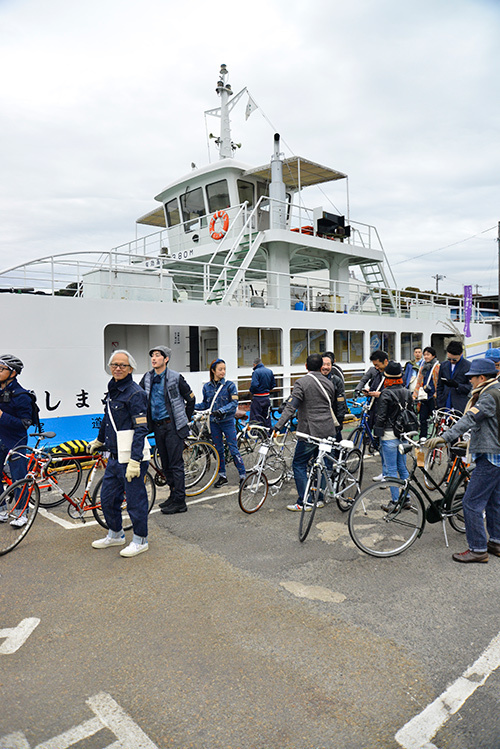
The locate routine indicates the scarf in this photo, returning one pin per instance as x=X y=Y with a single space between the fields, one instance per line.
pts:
x=476 y=392
x=389 y=381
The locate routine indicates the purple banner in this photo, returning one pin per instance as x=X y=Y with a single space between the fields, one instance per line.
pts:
x=467 y=310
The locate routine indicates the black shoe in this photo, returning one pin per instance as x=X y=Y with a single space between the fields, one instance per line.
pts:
x=393 y=506
x=171 y=509
x=220 y=482
x=165 y=503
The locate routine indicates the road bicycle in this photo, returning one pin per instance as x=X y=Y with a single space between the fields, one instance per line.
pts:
x=20 y=502
x=383 y=528
x=438 y=460
x=331 y=476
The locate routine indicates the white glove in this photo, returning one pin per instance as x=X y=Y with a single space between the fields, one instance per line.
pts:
x=133 y=469
x=94 y=446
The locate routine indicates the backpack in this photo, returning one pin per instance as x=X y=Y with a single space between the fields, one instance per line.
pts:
x=35 y=412
x=406 y=420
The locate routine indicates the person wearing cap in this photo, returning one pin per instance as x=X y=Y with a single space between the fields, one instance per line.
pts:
x=220 y=398
x=494 y=355
x=393 y=396
x=15 y=419
x=453 y=387
x=482 y=495
x=170 y=409
x=260 y=387
x=125 y=410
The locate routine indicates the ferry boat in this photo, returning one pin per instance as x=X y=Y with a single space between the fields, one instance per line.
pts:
x=237 y=266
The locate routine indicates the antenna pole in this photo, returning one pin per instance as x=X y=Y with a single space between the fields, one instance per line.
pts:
x=224 y=91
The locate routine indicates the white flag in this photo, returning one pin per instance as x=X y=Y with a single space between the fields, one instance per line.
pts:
x=250 y=107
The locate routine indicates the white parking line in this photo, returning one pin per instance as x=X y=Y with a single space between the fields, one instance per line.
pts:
x=418 y=732
x=70 y=526
x=17 y=636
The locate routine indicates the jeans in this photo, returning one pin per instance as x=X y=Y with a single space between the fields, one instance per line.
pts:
x=304 y=451
x=228 y=428
x=394 y=464
x=114 y=486
x=483 y=494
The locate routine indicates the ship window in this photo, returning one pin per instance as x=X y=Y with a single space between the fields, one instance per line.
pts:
x=246 y=192
x=261 y=189
x=193 y=347
x=384 y=341
x=173 y=213
x=259 y=342
x=218 y=196
x=193 y=208
x=348 y=346
x=305 y=342
x=409 y=341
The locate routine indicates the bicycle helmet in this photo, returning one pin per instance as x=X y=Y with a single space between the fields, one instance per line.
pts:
x=11 y=362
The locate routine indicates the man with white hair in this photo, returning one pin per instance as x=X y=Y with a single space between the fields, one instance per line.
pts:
x=125 y=409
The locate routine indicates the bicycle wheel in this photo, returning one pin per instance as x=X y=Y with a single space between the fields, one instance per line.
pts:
x=249 y=442
x=346 y=490
x=66 y=474
x=126 y=522
x=356 y=437
x=159 y=476
x=385 y=533
x=18 y=504
x=453 y=504
x=201 y=466
x=253 y=492
x=275 y=467
x=436 y=464
x=310 y=501
x=354 y=464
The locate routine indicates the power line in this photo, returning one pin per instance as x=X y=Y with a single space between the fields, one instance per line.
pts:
x=453 y=244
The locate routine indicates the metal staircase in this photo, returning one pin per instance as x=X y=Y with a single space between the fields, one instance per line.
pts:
x=374 y=276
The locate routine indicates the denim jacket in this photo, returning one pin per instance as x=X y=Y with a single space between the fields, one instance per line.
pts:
x=129 y=404
x=226 y=399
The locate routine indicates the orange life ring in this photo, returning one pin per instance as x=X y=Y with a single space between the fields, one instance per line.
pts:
x=225 y=225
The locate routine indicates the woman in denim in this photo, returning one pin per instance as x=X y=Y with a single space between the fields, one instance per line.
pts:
x=221 y=397
x=393 y=394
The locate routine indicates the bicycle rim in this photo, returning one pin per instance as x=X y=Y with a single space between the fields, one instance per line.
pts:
x=20 y=500
x=62 y=475
x=201 y=466
x=383 y=533
x=454 y=506
x=346 y=490
x=253 y=492
x=310 y=502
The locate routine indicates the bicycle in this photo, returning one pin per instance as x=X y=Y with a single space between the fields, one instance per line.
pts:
x=362 y=437
x=329 y=481
x=255 y=487
x=21 y=499
x=382 y=528
x=438 y=460
x=201 y=466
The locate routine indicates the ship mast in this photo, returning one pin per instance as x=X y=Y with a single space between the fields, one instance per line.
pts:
x=226 y=145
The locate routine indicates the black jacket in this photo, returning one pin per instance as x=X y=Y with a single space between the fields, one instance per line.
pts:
x=458 y=395
x=388 y=408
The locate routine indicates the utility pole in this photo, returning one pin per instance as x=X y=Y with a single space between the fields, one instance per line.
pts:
x=439 y=278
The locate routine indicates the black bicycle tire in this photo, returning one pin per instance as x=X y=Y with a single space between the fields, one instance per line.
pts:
x=69 y=490
x=97 y=510
x=344 y=504
x=212 y=464
x=431 y=459
x=367 y=514
x=359 y=471
x=32 y=501
x=356 y=437
x=312 y=492
x=250 y=479
x=453 y=504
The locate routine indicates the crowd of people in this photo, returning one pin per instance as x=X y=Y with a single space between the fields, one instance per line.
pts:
x=163 y=404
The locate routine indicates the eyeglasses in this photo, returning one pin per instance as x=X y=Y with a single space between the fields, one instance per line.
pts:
x=5 y=369
x=453 y=359
x=119 y=366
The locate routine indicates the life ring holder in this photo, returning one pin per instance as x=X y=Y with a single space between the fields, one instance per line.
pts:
x=216 y=235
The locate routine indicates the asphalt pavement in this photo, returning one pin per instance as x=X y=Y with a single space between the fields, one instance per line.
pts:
x=229 y=633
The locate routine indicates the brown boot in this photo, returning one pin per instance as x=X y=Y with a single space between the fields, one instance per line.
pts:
x=494 y=548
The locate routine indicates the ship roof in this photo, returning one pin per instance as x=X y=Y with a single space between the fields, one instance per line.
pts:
x=311 y=173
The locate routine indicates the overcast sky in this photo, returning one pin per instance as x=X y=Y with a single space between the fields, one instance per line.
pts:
x=103 y=101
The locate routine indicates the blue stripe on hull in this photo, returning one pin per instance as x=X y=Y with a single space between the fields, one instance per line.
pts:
x=84 y=427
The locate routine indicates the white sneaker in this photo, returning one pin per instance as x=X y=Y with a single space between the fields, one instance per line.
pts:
x=103 y=543
x=380 y=477
x=19 y=521
x=133 y=549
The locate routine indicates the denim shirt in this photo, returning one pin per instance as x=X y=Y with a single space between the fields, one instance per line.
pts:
x=225 y=401
x=158 y=406
x=128 y=404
